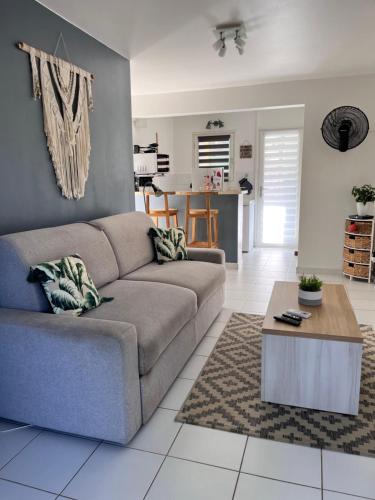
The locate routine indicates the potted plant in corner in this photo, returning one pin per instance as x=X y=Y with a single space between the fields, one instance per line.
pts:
x=310 y=291
x=365 y=197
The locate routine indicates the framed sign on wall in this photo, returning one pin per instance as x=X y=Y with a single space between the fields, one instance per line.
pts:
x=246 y=150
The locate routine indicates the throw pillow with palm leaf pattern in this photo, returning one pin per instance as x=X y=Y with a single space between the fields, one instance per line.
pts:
x=67 y=285
x=169 y=244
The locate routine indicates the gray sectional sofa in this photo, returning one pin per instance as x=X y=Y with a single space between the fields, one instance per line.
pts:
x=103 y=374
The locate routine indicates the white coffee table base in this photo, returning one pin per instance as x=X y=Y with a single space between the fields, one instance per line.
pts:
x=311 y=373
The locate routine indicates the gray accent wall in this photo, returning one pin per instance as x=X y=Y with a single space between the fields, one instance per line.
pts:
x=29 y=196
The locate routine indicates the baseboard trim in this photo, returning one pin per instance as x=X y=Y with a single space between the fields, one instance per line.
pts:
x=231 y=265
x=318 y=270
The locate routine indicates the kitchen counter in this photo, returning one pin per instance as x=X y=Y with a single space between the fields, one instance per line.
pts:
x=230 y=206
x=229 y=192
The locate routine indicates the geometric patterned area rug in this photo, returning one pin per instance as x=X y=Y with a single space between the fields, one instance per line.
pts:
x=226 y=396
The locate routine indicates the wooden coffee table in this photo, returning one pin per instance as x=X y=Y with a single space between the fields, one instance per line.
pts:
x=318 y=364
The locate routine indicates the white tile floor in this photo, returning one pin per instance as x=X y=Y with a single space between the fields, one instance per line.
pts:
x=170 y=461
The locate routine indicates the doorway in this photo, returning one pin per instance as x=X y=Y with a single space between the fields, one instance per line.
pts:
x=278 y=190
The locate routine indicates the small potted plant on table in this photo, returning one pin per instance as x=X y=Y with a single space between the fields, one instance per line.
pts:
x=365 y=197
x=310 y=291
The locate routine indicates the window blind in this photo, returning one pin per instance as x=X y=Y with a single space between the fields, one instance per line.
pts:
x=281 y=157
x=214 y=151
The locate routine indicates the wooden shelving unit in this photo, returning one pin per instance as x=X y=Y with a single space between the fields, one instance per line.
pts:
x=358 y=249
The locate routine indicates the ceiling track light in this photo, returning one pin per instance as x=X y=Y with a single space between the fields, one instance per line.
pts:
x=225 y=32
x=214 y=123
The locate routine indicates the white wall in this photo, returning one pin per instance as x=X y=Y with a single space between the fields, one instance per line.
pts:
x=327 y=175
x=176 y=138
x=242 y=124
x=280 y=118
x=144 y=133
x=175 y=135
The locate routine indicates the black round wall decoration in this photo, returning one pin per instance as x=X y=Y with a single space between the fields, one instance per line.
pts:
x=345 y=128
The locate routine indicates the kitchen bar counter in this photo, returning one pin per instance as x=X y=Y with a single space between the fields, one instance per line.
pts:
x=229 y=192
x=229 y=203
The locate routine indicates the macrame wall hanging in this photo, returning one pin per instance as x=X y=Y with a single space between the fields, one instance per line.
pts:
x=66 y=95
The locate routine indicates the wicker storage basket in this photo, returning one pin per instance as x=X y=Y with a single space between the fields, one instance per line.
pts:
x=355 y=241
x=357 y=256
x=356 y=270
x=362 y=227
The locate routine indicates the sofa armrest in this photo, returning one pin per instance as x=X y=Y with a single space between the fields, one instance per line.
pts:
x=214 y=255
x=75 y=375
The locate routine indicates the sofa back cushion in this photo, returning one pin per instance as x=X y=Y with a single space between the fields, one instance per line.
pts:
x=128 y=234
x=19 y=251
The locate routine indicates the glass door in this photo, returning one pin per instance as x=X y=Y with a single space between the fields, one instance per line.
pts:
x=278 y=188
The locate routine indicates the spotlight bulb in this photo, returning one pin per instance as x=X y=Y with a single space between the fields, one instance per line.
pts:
x=222 y=50
x=218 y=44
x=239 y=42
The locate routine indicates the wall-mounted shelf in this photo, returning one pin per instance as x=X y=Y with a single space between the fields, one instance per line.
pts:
x=358 y=249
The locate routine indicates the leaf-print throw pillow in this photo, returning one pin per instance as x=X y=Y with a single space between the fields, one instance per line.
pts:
x=67 y=285
x=169 y=244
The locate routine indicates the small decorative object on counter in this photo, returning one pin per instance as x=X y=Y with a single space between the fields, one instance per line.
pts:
x=310 y=291
x=217 y=179
x=207 y=183
x=213 y=180
x=365 y=197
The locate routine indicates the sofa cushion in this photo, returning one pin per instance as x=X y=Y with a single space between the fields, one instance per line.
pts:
x=203 y=278
x=158 y=312
x=169 y=244
x=68 y=286
x=128 y=234
x=19 y=251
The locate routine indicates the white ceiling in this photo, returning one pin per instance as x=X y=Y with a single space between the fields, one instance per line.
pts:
x=169 y=42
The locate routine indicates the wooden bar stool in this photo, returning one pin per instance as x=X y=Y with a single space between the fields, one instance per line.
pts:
x=212 y=219
x=168 y=213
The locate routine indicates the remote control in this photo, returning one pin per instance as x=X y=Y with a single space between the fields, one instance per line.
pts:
x=292 y=316
x=290 y=321
x=301 y=314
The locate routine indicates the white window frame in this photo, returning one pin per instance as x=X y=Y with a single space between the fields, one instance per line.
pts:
x=259 y=184
x=195 y=150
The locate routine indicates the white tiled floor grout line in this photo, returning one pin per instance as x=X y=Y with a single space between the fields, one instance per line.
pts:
x=147 y=451
x=350 y=495
x=84 y=463
x=28 y=486
x=202 y=463
x=172 y=409
x=281 y=480
x=161 y=465
x=21 y=450
x=168 y=455
x=239 y=470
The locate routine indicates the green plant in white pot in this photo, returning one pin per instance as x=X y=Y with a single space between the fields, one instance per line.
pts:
x=310 y=291
x=365 y=197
